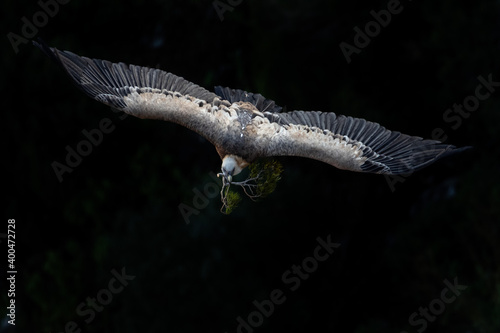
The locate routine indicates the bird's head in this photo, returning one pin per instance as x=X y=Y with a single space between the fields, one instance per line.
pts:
x=231 y=166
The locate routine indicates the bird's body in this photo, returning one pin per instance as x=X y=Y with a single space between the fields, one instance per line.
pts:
x=244 y=126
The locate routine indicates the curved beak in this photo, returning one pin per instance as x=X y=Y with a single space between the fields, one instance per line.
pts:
x=228 y=175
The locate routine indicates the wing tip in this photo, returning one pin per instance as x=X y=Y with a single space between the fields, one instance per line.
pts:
x=419 y=159
x=448 y=150
x=45 y=48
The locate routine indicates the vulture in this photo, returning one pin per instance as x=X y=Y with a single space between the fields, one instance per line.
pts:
x=244 y=126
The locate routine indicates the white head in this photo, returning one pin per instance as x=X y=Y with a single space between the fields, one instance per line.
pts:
x=231 y=166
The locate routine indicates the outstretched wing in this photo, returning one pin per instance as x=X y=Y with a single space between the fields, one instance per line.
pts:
x=236 y=95
x=146 y=92
x=344 y=142
x=350 y=143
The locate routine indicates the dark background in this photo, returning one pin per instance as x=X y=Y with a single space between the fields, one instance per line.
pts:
x=119 y=208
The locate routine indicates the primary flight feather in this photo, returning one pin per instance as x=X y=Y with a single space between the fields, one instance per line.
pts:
x=244 y=126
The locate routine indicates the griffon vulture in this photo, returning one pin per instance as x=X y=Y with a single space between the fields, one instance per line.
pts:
x=244 y=126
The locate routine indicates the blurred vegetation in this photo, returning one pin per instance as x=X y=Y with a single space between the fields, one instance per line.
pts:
x=119 y=207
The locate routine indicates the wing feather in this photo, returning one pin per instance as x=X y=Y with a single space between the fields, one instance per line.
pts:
x=352 y=143
x=236 y=95
x=148 y=93
x=101 y=78
x=345 y=142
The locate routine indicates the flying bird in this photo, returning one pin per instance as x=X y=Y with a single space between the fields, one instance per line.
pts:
x=244 y=126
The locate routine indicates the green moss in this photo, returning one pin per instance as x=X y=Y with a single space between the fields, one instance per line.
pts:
x=262 y=180
x=267 y=173
x=232 y=200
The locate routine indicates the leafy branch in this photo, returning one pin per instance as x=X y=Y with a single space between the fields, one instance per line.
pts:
x=261 y=182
